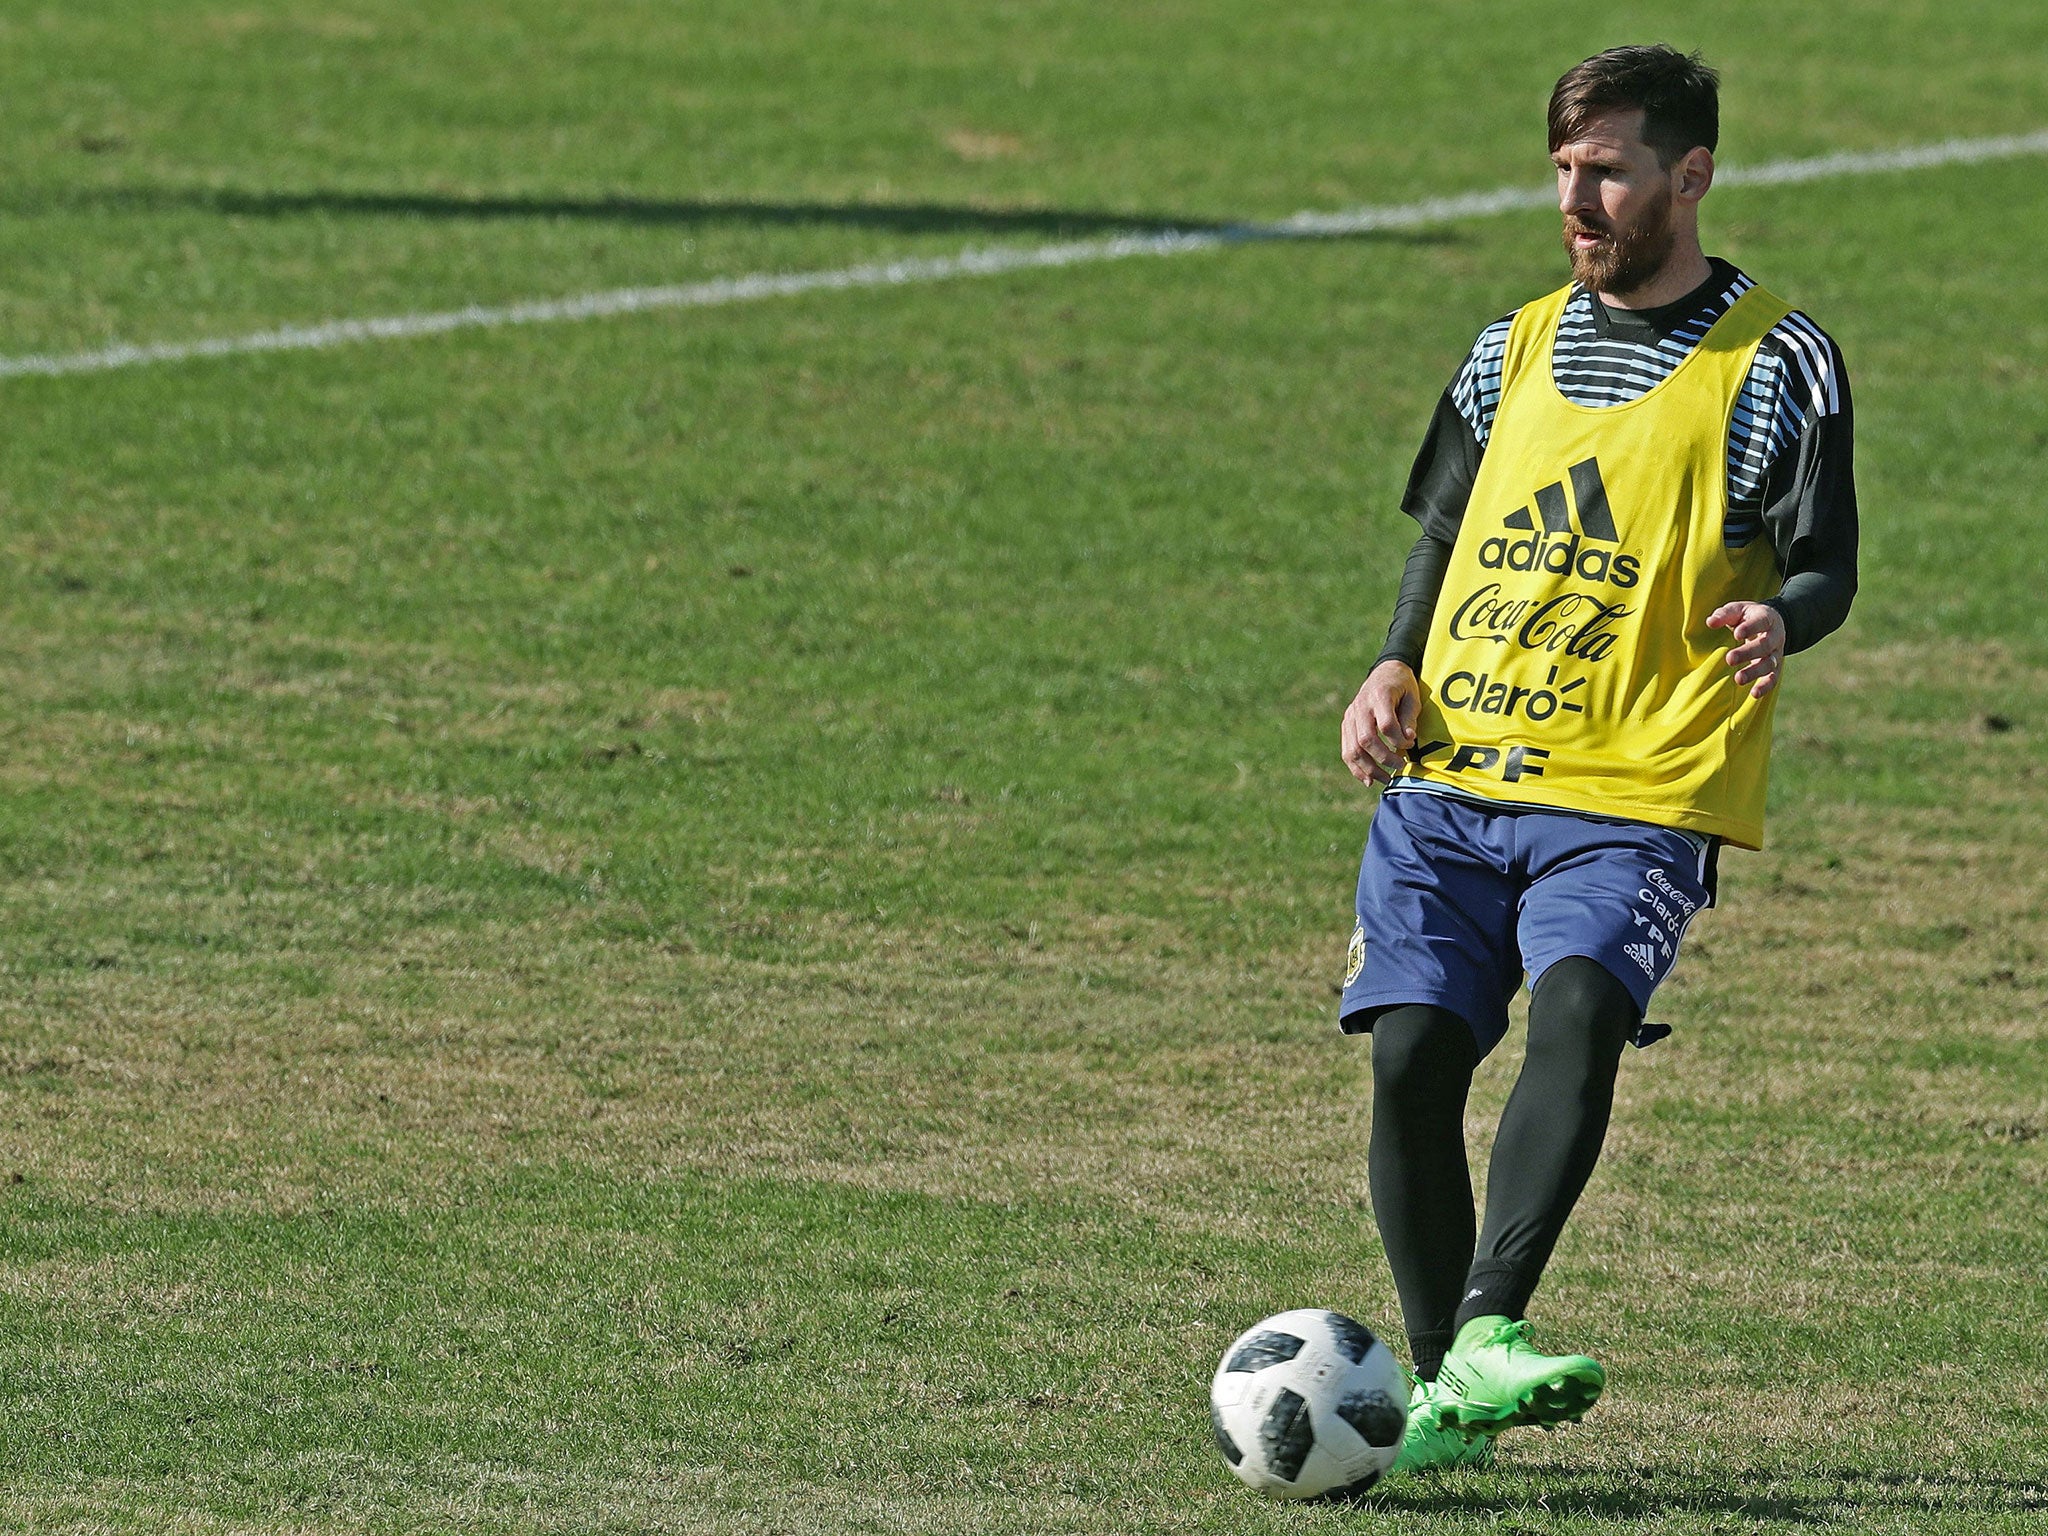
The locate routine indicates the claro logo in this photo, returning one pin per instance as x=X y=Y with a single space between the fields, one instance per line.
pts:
x=1559 y=548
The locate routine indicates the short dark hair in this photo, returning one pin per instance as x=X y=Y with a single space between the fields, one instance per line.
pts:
x=1679 y=93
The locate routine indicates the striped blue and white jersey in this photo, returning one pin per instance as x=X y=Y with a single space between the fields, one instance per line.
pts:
x=1790 y=446
x=1602 y=359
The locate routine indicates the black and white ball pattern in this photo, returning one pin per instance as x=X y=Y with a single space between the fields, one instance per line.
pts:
x=1309 y=1403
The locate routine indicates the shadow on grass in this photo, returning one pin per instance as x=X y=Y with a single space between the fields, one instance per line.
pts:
x=901 y=218
x=1825 y=1497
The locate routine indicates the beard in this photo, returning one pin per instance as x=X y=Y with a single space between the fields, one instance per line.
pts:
x=1627 y=256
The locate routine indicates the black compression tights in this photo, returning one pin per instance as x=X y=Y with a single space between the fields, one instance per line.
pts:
x=1550 y=1134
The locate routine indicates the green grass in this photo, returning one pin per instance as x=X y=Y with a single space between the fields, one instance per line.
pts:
x=727 y=920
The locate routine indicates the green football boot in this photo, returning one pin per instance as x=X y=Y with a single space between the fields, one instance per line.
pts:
x=1431 y=1443
x=1493 y=1380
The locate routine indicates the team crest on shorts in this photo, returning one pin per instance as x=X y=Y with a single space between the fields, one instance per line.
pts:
x=1354 y=957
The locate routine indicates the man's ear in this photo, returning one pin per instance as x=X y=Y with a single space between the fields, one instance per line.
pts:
x=1693 y=174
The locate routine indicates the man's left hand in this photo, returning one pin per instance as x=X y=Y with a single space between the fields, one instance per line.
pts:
x=1759 y=654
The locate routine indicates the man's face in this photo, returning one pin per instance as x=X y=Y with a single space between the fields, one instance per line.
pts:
x=1616 y=200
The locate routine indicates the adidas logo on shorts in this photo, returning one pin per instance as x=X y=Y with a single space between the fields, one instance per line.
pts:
x=1643 y=955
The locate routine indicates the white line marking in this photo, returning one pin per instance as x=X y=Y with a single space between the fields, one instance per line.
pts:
x=975 y=263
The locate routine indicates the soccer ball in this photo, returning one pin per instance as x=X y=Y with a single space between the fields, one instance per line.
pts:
x=1309 y=1403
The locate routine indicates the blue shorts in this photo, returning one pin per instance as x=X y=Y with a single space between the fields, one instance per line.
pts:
x=1458 y=898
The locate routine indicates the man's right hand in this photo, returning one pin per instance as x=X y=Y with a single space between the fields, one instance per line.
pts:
x=1379 y=727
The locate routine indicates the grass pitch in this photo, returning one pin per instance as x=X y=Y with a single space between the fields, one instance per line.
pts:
x=727 y=921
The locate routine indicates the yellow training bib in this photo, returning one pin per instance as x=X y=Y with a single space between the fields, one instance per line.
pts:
x=1569 y=662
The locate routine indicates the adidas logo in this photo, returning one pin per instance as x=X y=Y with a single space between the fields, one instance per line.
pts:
x=1644 y=956
x=1557 y=547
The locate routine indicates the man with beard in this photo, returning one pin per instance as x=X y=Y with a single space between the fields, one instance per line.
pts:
x=1620 y=472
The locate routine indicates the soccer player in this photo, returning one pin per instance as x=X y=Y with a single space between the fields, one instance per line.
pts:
x=1635 y=500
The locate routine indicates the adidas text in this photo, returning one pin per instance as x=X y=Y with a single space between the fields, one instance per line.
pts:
x=1561 y=557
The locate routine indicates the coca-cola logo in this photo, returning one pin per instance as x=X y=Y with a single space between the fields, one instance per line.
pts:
x=1575 y=624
